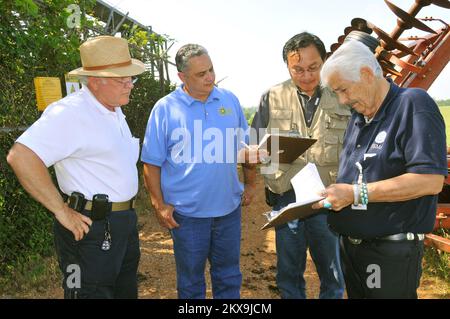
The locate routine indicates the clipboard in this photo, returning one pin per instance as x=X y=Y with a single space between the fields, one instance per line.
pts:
x=293 y=211
x=290 y=147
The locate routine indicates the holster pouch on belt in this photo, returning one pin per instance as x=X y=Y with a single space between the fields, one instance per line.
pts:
x=101 y=207
x=270 y=197
x=77 y=201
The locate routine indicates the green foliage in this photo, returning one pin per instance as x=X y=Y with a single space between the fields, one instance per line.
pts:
x=146 y=92
x=443 y=102
x=249 y=113
x=25 y=226
x=36 y=40
x=438 y=262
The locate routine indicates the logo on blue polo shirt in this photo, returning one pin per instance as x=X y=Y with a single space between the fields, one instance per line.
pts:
x=225 y=111
x=381 y=137
x=379 y=140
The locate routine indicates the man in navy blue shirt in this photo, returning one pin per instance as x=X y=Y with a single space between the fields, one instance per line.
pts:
x=391 y=168
x=190 y=155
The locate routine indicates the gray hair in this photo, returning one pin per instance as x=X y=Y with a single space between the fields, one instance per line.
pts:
x=83 y=79
x=348 y=60
x=187 y=52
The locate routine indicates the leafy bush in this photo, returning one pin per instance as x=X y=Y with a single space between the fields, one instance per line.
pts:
x=36 y=41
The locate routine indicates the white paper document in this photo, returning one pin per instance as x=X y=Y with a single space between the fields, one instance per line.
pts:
x=307 y=185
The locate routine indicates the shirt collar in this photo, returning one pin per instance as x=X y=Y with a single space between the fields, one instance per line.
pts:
x=189 y=100
x=100 y=107
x=317 y=92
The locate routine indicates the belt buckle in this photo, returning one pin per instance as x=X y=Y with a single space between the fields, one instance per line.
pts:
x=355 y=241
x=412 y=236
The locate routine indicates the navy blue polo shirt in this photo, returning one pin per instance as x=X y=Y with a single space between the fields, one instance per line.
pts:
x=407 y=135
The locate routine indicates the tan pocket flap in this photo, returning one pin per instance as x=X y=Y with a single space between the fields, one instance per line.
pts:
x=331 y=139
x=343 y=111
x=281 y=114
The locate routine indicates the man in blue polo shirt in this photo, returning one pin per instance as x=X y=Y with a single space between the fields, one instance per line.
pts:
x=190 y=155
x=391 y=168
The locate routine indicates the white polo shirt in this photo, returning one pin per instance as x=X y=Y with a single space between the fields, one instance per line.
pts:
x=91 y=147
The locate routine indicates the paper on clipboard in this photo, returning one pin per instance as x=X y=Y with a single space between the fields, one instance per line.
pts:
x=307 y=185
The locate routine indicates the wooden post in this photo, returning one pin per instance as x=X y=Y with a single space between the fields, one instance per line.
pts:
x=161 y=76
x=166 y=63
x=152 y=60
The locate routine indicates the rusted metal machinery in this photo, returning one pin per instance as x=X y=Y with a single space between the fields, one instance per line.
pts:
x=414 y=64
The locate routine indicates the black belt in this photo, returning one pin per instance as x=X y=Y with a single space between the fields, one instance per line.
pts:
x=395 y=237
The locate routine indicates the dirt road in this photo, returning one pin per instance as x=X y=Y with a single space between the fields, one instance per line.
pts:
x=258 y=259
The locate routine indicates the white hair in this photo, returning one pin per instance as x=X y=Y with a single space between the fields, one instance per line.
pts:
x=348 y=60
x=83 y=79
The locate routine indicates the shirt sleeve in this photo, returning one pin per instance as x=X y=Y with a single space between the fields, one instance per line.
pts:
x=53 y=136
x=154 y=148
x=425 y=149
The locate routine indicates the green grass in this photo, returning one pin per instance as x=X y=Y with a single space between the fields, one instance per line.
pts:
x=445 y=110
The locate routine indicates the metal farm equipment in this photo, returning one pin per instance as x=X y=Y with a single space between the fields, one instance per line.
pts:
x=414 y=64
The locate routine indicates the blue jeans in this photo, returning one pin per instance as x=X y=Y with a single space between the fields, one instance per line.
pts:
x=217 y=239
x=312 y=232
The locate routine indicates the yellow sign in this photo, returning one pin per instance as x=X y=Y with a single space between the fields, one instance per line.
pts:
x=48 y=90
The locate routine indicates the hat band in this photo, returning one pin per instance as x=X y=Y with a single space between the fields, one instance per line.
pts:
x=107 y=66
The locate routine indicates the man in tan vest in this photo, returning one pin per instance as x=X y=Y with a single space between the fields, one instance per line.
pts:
x=301 y=106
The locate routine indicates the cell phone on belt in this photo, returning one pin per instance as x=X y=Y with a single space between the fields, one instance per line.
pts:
x=101 y=206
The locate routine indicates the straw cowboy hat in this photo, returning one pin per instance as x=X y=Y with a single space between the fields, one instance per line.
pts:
x=107 y=56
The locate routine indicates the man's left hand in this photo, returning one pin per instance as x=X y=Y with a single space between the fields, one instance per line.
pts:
x=338 y=195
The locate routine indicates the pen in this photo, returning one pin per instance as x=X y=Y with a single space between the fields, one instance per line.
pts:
x=246 y=145
x=263 y=159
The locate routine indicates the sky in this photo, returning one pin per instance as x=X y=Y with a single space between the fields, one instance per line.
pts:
x=245 y=37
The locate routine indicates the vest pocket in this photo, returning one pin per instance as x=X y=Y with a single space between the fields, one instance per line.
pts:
x=328 y=153
x=336 y=121
x=281 y=119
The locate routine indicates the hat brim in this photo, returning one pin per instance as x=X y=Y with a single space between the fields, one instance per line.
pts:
x=136 y=67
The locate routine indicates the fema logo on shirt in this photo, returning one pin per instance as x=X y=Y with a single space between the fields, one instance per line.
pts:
x=379 y=141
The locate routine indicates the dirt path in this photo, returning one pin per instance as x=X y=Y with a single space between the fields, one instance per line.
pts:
x=157 y=277
x=258 y=259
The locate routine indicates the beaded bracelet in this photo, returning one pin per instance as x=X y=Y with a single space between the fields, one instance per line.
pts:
x=364 y=194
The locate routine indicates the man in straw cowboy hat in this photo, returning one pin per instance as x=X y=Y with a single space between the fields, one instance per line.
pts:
x=86 y=138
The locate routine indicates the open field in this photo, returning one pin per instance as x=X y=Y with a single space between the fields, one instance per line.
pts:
x=445 y=110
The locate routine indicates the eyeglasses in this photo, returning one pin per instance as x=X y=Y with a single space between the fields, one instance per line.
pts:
x=301 y=72
x=132 y=80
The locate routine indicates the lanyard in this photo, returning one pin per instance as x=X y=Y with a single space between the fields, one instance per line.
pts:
x=360 y=176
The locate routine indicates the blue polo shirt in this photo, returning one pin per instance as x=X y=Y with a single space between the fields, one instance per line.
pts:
x=407 y=135
x=196 y=143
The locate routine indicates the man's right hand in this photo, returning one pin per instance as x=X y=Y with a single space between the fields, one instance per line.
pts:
x=72 y=220
x=165 y=216
x=252 y=155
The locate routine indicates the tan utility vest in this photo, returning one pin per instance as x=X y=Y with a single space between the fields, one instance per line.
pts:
x=328 y=127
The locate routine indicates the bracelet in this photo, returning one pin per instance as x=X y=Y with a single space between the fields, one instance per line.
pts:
x=356 y=191
x=364 y=194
